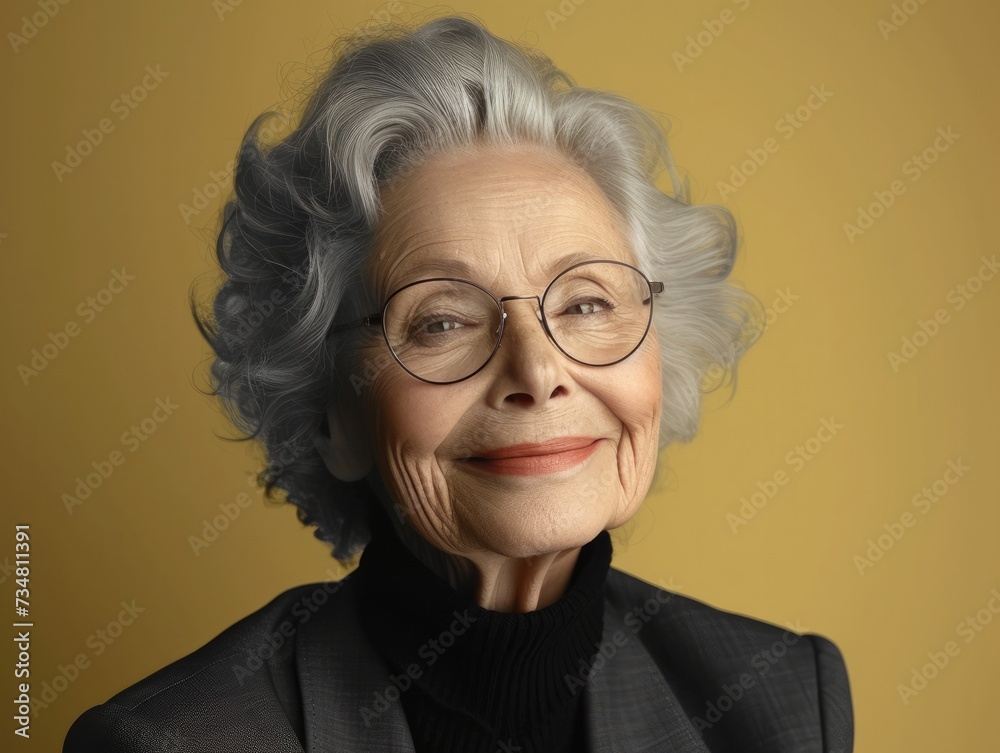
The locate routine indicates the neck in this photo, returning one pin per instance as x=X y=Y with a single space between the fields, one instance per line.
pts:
x=493 y=581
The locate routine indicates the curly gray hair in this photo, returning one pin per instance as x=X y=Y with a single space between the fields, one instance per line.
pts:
x=296 y=236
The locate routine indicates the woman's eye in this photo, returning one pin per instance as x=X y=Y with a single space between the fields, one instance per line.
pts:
x=445 y=325
x=584 y=308
x=432 y=328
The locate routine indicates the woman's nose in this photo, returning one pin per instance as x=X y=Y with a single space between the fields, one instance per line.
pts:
x=531 y=368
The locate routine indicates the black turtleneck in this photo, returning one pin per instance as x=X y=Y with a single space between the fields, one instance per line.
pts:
x=475 y=679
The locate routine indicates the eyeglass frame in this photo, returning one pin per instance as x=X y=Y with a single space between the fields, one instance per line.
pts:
x=655 y=288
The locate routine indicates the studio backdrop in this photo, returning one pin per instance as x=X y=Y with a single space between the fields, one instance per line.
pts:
x=849 y=487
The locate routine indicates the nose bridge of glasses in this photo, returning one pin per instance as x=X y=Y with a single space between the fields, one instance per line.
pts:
x=535 y=298
x=525 y=326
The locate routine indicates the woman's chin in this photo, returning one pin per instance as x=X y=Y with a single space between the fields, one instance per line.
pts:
x=531 y=533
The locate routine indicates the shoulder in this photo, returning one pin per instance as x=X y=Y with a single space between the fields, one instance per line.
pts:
x=728 y=667
x=196 y=701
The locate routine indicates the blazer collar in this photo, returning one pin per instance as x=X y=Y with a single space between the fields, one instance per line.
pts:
x=348 y=703
x=629 y=707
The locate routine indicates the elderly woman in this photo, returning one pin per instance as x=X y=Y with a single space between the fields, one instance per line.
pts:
x=463 y=321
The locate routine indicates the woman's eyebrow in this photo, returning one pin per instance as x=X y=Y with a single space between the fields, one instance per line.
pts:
x=456 y=267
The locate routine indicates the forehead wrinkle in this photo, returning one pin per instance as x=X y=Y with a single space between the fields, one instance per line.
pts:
x=396 y=238
x=409 y=249
x=427 y=220
x=537 y=253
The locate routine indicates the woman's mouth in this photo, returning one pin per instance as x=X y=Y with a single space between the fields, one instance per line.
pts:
x=534 y=458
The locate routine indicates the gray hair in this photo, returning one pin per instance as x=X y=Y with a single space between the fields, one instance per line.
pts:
x=295 y=238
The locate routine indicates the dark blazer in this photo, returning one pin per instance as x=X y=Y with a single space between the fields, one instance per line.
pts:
x=677 y=675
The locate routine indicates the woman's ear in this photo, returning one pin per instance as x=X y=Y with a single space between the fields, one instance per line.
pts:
x=342 y=441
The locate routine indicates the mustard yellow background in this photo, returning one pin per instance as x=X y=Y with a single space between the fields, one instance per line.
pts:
x=840 y=302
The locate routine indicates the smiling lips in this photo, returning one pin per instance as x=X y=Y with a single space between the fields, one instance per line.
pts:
x=535 y=458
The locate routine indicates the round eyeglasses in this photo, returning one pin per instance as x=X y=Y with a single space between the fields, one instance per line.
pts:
x=444 y=330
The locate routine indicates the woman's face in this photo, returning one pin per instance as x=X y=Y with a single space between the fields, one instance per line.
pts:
x=509 y=221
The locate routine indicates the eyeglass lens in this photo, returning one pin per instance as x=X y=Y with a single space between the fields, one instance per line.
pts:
x=446 y=330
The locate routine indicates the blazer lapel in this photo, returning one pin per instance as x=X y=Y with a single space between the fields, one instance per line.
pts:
x=628 y=705
x=347 y=703
x=345 y=684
